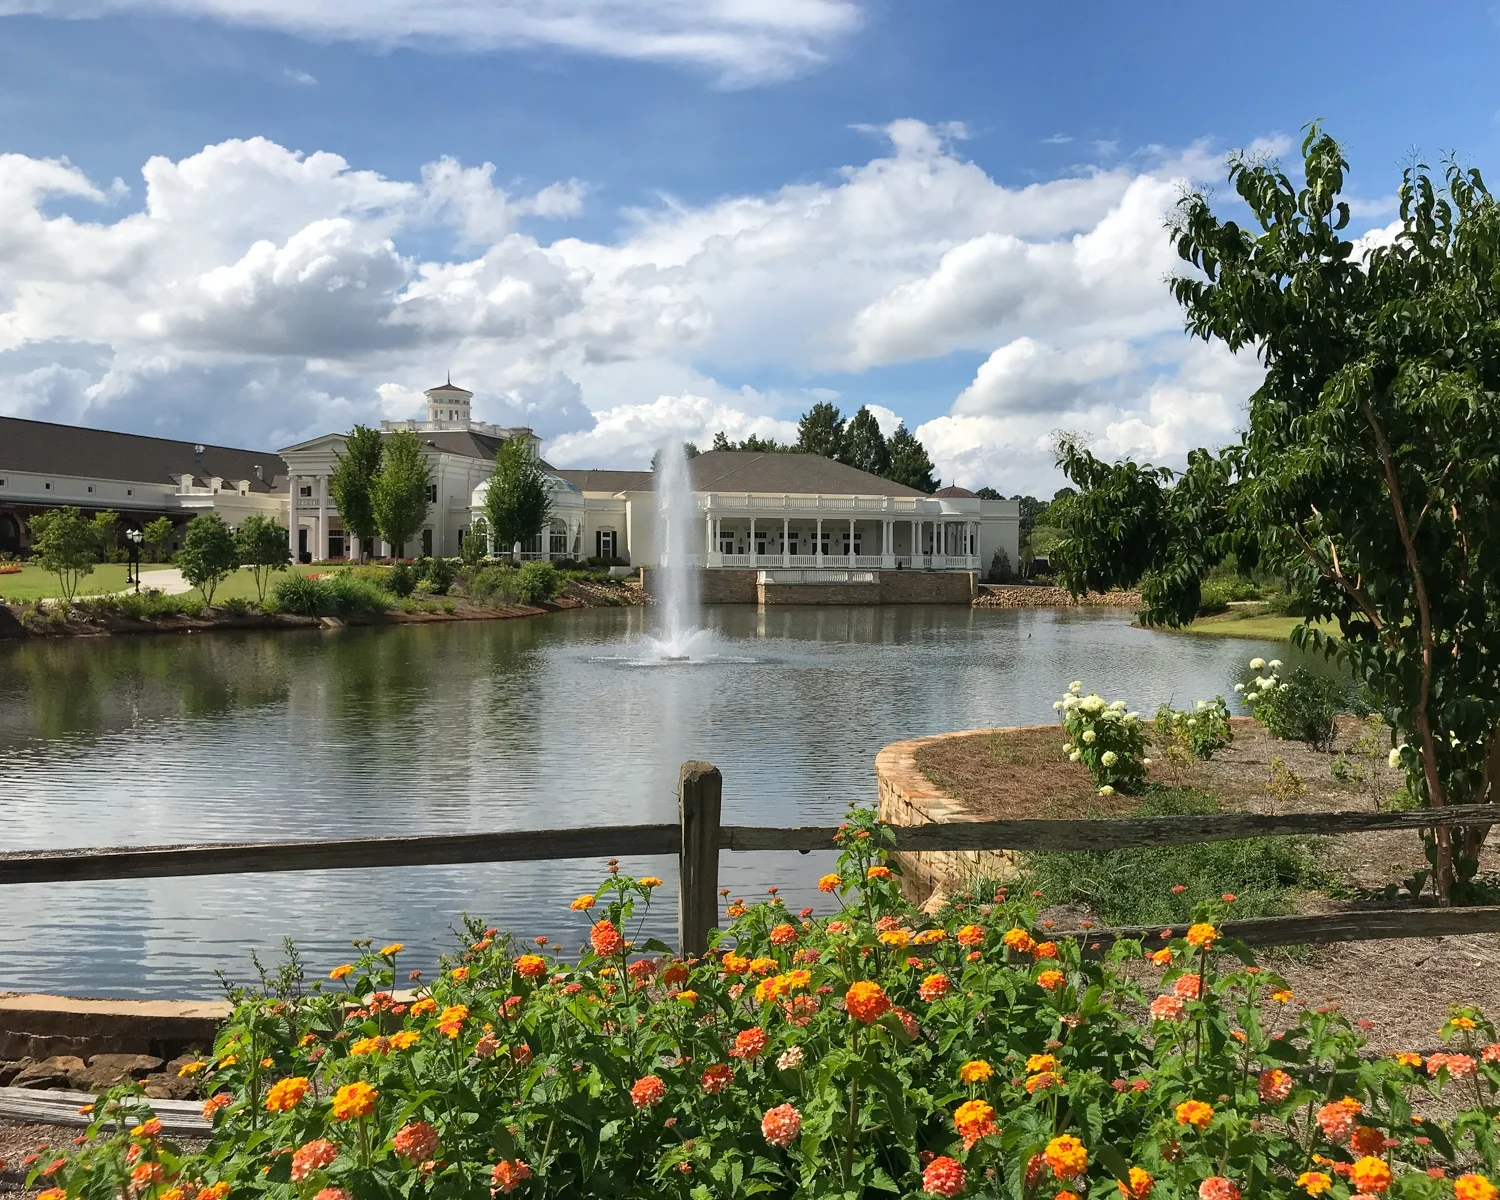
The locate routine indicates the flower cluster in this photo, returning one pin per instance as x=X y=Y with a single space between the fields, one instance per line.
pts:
x=866 y=1051
x=1105 y=738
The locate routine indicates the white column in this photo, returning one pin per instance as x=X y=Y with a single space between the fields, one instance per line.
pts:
x=888 y=542
x=818 y=548
x=786 y=545
x=851 y=541
x=291 y=517
x=322 y=548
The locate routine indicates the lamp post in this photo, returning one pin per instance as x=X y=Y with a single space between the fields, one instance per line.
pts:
x=133 y=567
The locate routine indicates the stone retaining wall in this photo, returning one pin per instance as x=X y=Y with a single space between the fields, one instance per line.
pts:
x=818 y=593
x=1017 y=596
x=907 y=797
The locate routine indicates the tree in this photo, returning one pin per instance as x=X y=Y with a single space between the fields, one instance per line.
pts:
x=208 y=554
x=1369 y=475
x=261 y=544
x=518 y=505
x=65 y=544
x=157 y=536
x=821 y=431
x=909 y=462
x=352 y=481
x=398 y=491
x=105 y=527
x=989 y=493
x=759 y=445
x=864 y=444
x=473 y=546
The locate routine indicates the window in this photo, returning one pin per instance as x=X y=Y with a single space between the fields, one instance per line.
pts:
x=606 y=543
x=2 y=482
x=91 y=489
x=426 y=543
x=726 y=542
x=47 y=485
x=558 y=542
x=305 y=490
x=432 y=493
x=130 y=491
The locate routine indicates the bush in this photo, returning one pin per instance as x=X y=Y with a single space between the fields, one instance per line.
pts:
x=238 y=606
x=1299 y=708
x=999 y=571
x=1201 y=732
x=538 y=582
x=438 y=574
x=1284 y=604
x=1135 y=887
x=809 y=1061
x=401 y=579
x=154 y=604
x=342 y=595
x=493 y=585
x=1105 y=738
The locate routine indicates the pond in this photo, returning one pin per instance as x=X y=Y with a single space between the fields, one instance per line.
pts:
x=483 y=726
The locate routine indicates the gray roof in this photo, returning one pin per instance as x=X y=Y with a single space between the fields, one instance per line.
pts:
x=609 y=481
x=787 y=472
x=778 y=473
x=50 y=449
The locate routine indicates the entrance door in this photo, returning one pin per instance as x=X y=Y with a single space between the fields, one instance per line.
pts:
x=335 y=545
x=427 y=543
x=10 y=534
x=302 y=554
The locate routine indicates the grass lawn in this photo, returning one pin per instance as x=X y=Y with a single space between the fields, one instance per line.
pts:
x=110 y=577
x=241 y=585
x=33 y=582
x=1264 y=627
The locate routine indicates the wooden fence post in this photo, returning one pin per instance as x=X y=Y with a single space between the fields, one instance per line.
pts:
x=700 y=795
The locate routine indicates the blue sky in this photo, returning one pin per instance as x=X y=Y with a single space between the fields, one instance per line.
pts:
x=697 y=216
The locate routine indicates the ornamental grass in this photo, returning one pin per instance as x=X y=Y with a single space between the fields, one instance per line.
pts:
x=808 y=1056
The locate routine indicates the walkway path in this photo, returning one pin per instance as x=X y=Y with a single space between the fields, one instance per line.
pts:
x=165 y=579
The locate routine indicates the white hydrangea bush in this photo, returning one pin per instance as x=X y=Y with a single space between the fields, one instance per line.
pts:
x=1105 y=738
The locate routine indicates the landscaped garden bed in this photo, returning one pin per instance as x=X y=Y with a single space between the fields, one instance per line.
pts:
x=857 y=1051
x=1027 y=773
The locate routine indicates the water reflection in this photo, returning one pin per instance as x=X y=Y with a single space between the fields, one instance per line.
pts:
x=478 y=726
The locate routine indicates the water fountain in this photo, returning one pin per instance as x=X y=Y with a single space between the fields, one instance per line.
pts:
x=679 y=540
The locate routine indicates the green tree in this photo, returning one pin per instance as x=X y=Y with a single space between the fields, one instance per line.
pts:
x=864 y=444
x=106 y=530
x=261 y=544
x=65 y=544
x=398 y=490
x=988 y=493
x=352 y=481
x=759 y=445
x=475 y=543
x=518 y=504
x=909 y=462
x=157 y=536
x=821 y=431
x=208 y=554
x=1369 y=475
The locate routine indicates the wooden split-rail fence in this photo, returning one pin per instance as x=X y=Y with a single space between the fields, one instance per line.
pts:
x=698 y=837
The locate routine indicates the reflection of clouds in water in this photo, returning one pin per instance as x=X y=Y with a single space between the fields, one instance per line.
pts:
x=484 y=726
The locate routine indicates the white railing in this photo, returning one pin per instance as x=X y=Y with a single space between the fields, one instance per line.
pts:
x=802 y=560
x=816 y=576
x=742 y=502
x=869 y=560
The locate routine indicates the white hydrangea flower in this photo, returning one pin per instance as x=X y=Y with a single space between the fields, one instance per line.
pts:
x=1274 y=664
x=1076 y=686
x=1109 y=758
x=1202 y=704
x=1091 y=704
x=1067 y=747
x=1106 y=790
x=1118 y=706
x=1394 y=758
x=1056 y=704
x=1239 y=687
x=1257 y=664
x=1251 y=697
x=1133 y=716
x=1089 y=737
x=1075 y=756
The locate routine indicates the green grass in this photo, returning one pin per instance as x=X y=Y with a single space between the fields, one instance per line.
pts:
x=1134 y=887
x=1269 y=628
x=33 y=582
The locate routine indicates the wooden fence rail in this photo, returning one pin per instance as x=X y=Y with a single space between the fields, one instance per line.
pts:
x=698 y=836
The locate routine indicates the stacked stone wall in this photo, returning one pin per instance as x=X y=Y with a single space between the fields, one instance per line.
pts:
x=1021 y=596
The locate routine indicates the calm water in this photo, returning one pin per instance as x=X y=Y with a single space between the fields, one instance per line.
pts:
x=481 y=726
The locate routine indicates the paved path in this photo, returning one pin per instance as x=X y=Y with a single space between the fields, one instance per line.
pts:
x=165 y=579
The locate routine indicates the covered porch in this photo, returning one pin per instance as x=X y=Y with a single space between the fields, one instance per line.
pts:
x=819 y=540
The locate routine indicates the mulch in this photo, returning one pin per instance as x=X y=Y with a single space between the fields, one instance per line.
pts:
x=1405 y=986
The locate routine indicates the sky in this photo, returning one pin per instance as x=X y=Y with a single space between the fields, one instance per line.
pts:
x=624 y=222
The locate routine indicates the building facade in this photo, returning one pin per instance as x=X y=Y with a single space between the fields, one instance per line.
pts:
x=752 y=510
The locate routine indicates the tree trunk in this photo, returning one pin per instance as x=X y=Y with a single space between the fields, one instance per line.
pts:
x=1472 y=837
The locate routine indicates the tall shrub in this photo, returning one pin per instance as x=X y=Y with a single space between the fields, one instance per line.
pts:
x=1369 y=473
x=208 y=554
